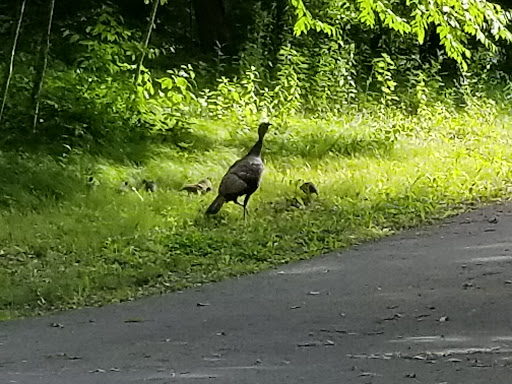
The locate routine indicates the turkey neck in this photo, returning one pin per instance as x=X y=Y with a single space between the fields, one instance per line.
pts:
x=256 y=149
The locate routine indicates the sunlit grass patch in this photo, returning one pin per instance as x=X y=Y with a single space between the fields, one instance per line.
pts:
x=65 y=245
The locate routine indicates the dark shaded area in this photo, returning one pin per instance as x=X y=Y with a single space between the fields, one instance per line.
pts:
x=211 y=23
x=29 y=180
x=506 y=4
x=36 y=173
x=322 y=145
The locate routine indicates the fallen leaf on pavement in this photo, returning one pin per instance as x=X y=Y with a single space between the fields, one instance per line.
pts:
x=453 y=360
x=97 y=370
x=396 y=316
x=367 y=374
x=310 y=344
x=467 y=285
x=64 y=355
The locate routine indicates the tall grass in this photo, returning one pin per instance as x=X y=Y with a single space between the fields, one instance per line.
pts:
x=64 y=244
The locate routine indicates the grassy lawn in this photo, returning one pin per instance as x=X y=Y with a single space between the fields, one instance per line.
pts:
x=66 y=245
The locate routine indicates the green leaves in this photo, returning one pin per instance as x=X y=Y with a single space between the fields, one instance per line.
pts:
x=369 y=10
x=306 y=22
x=455 y=22
x=383 y=68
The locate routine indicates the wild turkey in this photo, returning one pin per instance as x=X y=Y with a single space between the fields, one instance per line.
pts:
x=202 y=187
x=150 y=185
x=92 y=183
x=206 y=184
x=242 y=178
x=124 y=187
x=309 y=188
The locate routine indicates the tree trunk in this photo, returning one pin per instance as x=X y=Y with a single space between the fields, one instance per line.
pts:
x=211 y=23
x=146 y=42
x=11 y=61
x=38 y=85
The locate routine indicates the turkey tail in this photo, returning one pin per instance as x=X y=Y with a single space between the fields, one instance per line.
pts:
x=216 y=205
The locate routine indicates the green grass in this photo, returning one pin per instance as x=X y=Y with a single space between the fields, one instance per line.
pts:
x=64 y=245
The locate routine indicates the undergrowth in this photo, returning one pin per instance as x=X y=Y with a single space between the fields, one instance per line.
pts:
x=65 y=243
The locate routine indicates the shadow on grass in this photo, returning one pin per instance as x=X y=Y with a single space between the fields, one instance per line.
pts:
x=27 y=179
x=31 y=174
x=317 y=146
x=306 y=142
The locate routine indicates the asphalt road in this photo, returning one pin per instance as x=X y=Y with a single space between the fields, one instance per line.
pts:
x=426 y=306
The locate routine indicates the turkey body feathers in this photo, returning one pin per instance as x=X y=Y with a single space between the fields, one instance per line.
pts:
x=243 y=177
x=216 y=205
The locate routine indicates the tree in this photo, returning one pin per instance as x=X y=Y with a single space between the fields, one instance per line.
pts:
x=11 y=59
x=38 y=85
x=151 y=25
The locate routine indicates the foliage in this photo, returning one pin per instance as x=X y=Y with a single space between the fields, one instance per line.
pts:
x=305 y=20
x=96 y=98
x=399 y=53
x=454 y=21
